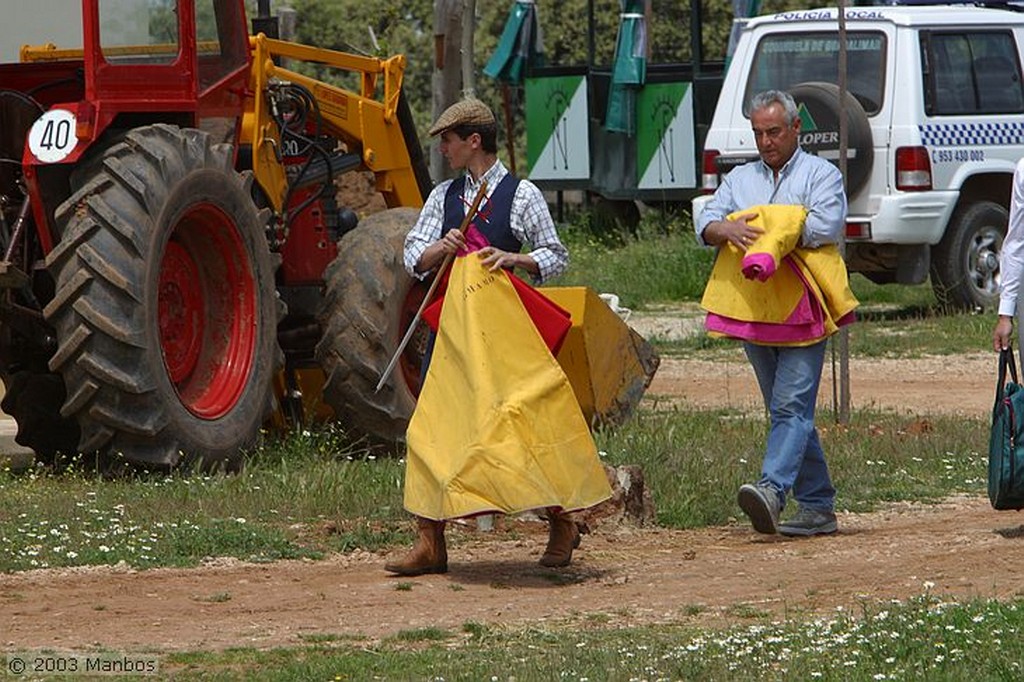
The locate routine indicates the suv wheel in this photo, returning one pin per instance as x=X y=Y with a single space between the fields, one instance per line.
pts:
x=965 y=264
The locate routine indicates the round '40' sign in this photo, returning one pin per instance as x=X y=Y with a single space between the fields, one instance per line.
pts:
x=52 y=136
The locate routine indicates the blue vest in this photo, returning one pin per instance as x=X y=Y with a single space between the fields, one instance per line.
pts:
x=494 y=216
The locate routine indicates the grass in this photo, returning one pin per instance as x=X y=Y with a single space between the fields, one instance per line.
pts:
x=918 y=332
x=921 y=638
x=297 y=498
x=693 y=462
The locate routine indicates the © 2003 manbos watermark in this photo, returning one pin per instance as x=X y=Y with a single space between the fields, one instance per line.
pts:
x=36 y=664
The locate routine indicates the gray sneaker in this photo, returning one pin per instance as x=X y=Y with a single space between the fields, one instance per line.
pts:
x=761 y=504
x=807 y=522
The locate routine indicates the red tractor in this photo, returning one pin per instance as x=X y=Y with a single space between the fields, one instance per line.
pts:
x=151 y=290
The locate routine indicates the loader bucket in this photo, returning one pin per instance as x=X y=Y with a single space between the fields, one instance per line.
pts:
x=608 y=364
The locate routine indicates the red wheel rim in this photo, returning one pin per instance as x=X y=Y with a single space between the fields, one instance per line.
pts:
x=181 y=312
x=207 y=311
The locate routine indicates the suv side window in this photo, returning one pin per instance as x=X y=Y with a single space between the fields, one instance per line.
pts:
x=971 y=73
x=784 y=60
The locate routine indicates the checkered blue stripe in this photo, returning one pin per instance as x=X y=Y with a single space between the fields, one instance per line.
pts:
x=971 y=134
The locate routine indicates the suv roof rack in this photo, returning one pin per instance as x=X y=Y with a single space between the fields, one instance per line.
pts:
x=1010 y=5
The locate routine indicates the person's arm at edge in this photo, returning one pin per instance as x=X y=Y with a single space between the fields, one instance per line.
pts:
x=1011 y=264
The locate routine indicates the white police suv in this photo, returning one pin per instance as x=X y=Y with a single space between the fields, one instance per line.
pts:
x=935 y=120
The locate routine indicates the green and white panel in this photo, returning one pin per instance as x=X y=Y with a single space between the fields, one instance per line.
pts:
x=557 y=128
x=665 y=144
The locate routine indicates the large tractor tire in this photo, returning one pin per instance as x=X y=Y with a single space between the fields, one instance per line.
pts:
x=965 y=264
x=369 y=303
x=165 y=304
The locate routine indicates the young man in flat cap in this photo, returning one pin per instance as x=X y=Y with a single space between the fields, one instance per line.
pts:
x=469 y=140
x=514 y=213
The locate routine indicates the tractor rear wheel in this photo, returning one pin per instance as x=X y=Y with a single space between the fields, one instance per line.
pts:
x=165 y=305
x=368 y=305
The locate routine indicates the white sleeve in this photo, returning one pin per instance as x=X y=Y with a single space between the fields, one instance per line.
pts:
x=1011 y=260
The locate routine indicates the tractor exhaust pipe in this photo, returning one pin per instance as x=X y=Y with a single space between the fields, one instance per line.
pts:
x=264 y=23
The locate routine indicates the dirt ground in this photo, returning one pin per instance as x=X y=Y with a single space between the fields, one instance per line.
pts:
x=634 y=575
x=649 y=576
x=963 y=385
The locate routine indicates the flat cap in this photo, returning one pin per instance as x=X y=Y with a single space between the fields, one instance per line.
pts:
x=467 y=112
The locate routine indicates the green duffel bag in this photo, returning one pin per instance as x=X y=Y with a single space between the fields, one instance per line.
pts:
x=1006 y=442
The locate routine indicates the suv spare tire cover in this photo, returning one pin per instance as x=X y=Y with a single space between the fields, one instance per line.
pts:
x=819 y=133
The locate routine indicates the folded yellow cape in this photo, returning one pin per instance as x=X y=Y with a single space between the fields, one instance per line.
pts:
x=819 y=273
x=497 y=426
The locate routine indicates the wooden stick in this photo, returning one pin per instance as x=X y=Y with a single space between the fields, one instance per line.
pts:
x=433 y=287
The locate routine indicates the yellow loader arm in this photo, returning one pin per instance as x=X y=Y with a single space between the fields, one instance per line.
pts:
x=367 y=121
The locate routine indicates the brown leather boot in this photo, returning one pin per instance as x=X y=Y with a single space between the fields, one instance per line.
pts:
x=563 y=537
x=428 y=554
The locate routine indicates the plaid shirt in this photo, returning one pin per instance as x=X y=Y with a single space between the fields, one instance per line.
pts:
x=530 y=221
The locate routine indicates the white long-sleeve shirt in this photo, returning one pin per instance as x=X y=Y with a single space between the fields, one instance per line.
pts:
x=1011 y=260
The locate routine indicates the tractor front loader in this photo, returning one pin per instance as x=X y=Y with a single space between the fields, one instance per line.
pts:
x=174 y=266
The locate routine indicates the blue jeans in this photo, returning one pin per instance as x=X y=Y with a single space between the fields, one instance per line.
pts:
x=794 y=460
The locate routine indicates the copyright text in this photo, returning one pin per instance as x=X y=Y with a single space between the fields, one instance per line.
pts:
x=36 y=663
